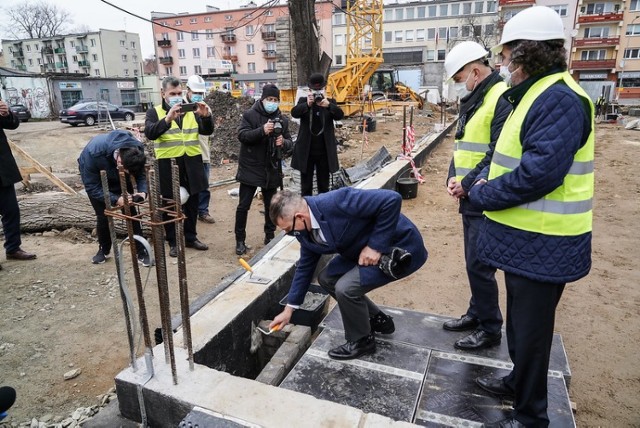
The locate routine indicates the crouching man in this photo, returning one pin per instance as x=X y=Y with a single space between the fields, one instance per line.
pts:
x=374 y=245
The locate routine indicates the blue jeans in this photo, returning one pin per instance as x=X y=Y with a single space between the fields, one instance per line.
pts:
x=204 y=197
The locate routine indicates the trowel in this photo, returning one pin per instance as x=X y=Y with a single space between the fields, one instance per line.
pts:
x=255 y=279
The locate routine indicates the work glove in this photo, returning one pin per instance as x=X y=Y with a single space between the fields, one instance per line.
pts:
x=396 y=263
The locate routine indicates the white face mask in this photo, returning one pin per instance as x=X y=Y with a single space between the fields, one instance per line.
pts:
x=506 y=74
x=461 y=88
x=174 y=100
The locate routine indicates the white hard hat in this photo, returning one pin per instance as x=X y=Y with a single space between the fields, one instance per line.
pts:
x=196 y=84
x=184 y=195
x=534 y=23
x=461 y=55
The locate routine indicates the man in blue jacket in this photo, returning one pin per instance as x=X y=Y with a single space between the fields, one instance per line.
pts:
x=374 y=242
x=105 y=153
x=537 y=198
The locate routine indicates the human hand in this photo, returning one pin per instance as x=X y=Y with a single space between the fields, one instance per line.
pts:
x=324 y=103
x=268 y=127
x=173 y=113
x=457 y=191
x=4 y=109
x=451 y=184
x=279 y=141
x=203 y=109
x=368 y=257
x=310 y=99
x=282 y=318
x=481 y=181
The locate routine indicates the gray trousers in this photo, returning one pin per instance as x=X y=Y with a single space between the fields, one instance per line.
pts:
x=355 y=307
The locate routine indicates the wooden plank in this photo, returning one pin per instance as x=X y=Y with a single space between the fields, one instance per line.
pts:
x=41 y=169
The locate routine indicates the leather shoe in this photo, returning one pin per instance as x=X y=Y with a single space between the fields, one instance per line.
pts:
x=20 y=254
x=463 y=323
x=241 y=248
x=173 y=251
x=505 y=423
x=351 y=350
x=495 y=385
x=479 y=339
x=197 y=245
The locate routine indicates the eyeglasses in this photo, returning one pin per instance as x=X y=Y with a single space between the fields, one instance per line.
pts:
x=292 y=231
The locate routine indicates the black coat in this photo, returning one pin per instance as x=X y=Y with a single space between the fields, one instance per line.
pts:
x=9 y=171
x=302 y=148
x=256 y=167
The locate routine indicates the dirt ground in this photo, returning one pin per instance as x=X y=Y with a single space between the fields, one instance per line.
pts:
x=60 y=312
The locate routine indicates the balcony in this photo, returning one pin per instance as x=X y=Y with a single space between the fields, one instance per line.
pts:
x=228 y=38
x=83 y=64
x=518 y=3
x=21 y=67
x=268 y=35
x=59 y=50
x=596 y=64
x=230 y=57
x=18 y=53
x=82 y=49
x=63 y=64
x=600 y=17
x=269 y=70
x=164 y=43
x=590 y=42
x=47 y=67
x=47 y=51
x=269 y=53
x=166 y=60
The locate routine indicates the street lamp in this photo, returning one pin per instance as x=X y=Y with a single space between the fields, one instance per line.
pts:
x=623 y=62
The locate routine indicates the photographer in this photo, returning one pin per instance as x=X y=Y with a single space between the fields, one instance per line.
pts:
x=316 y=145
x=265 y=138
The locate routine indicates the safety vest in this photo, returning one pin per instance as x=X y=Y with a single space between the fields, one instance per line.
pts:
x=176 y=142
x=566 y=211
x=469 y=151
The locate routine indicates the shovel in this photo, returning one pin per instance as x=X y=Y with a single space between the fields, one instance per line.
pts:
x=254 y=279
x=275 y=328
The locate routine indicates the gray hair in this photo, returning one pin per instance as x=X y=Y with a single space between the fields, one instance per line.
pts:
x=170 y=81
x=285 y=204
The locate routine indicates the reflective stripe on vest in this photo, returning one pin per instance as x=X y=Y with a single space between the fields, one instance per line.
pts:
x=176 y=142
x=567 y=210
x=477 y=133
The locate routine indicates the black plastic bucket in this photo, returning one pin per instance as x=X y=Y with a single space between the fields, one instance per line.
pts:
x=369 y=123
x=407 y=186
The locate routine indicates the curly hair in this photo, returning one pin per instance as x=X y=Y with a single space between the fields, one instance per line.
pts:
x=537 y=57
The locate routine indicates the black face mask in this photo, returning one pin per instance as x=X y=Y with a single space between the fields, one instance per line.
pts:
x=300 y=234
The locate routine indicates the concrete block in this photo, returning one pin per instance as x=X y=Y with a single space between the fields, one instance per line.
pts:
x=300 y=336
x=287 y=355
x=272 y=374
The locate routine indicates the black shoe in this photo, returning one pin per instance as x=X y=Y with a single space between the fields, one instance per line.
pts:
x=479 y=339
x=197 y=245
x=99 y=258
x=495 y=385
x=268 y=237
x=382 y=323
x=351 y=350
x=173 y=251
x=505 y=423
x=241 y=248
x=463 y=323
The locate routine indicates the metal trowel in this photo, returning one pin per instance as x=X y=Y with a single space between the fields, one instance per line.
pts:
x=255 y=279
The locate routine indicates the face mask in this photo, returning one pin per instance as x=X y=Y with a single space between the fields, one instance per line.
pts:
x=174 y=100
x=506 y=74
x=196 y=98
x=300 y=234
x=270 y=106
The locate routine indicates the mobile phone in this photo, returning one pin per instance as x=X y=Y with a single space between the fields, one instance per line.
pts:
x=189 y=107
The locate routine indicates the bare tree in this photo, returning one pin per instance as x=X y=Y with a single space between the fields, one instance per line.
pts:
x=481 y=31
x=36 y=20
x=305 y=35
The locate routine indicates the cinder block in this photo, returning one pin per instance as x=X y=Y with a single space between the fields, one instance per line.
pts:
x=272 y=374
x=300 y=336
x=287 y=355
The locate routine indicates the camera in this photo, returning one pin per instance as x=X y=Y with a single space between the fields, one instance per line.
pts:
x=189 y=107
x=277 y=126
x=317 y=97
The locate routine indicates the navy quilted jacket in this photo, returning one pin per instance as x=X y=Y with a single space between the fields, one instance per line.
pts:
x=556 y=126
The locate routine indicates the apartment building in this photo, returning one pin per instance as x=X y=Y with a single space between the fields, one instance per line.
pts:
x=236 y=47
x=103 y=53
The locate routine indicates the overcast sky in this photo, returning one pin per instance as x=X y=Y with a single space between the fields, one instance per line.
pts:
x=96 y=14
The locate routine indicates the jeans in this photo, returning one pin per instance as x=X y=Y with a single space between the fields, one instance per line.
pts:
x=204 y=197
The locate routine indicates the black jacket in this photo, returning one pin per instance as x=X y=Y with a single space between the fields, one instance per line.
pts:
x=256 y=166
x=302 y=148
x=9 y=171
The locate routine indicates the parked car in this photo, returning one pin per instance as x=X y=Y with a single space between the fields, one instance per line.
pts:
x=91 y=112
x=21 y=111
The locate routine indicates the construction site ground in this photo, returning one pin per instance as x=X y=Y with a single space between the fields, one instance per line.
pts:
x=60 y=312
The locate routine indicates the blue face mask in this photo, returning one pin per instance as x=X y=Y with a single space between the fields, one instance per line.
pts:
x=270 y=106
x=174 y=100
x=196 y=98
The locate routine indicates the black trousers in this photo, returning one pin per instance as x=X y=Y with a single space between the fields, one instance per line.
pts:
x=483 y=304
x=320 y=164
x=244 y=204
x=102 y=226
x=190 y=211
x=531 y=310
x=10 y=213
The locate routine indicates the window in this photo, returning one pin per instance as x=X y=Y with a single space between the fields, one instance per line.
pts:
x=207 y=19
x=249 y=30
x=168 y=71
x=126 y=71
x=388 y=15
x=251 y=67
x=134 y=58
x=183 y=70
x=634 y=5
x=408 y=35
x=209 y=32
x=37 y=47
x=421 y=12
x=124 y=58
x=455 y=9
x=430 y=55
x=74 y=58
x=128 y=97
x=197 y=69
x=135 y=72
x=633 y=30
x=251 y=49
x=178 y=22
x=95 y=57
x=338 y=40
x=431 y=33
x=596 y=32
x=339 y=18
x=561 y=9
x=444 y=10
x=228 y=17
x=165 y=36
x=466 y=31
x=442 y=33
x=441 y=53
x=398 y=37
x=453 y=33
x=71 y=43
x=594 y=55
x=194 y=35
x=180 y=36
x=28 y=48
x=489 y=29
x=196 y=52
x=211 y=52
x=181 y=53
x=598 y=8
x=432 y=11
x=193 y=20
x=388 y=36
x=123 y=43
x=39 y=61
x=420 y=35
x=491 y=6
x=133 y=45
x=633 y=53
x=30 y=62
x=271 y=65
x=466 y=8
x=339 y=60
x=96 y=72
x=479 y=7
x=399 y=14
x=269 y=13
x=411 y=12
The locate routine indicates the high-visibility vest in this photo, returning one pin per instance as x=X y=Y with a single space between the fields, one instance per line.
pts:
x=176 y=142
x=567 y=210
x=470 y=150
